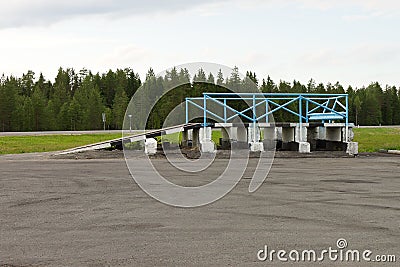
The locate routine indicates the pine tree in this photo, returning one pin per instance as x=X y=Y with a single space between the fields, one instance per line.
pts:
x=119 y=107
x=8 y=94
x=220 y=77
x=40 y=115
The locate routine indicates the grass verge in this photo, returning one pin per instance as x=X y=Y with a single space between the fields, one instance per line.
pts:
x=45 y=143
x=369 y=139
x=374 y=139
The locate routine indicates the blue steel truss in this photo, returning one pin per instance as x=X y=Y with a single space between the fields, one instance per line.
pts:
x=318 y=107
x=309 y=107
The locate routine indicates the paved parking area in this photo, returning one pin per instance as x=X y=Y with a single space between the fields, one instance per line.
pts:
x=63 y=212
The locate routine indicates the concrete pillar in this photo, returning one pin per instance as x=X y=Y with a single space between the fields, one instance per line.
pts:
x=301 y=138
x=185 y=139
x=301 y=132
x=195 y=137
x=190 y=134
x=206 y=144
x=253 y=133
x=150 y=146
x=278 y=133
x=351 y=134
x=253 y=138
x=205 y=133
x=269 y=137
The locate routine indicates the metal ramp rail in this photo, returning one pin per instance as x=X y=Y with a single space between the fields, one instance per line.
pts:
x=131 y=138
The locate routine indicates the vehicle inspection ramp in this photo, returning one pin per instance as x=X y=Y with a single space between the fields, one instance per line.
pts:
x=131 y=138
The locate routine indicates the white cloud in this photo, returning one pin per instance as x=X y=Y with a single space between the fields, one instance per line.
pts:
x=19 y=13
x=371 y=6
x=288 y=39
x=45 y=12
x=362 y=17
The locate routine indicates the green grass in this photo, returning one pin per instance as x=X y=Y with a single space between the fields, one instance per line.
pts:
x=176 y=138
x=45 y=143
x=373 y=139
x=369 y=139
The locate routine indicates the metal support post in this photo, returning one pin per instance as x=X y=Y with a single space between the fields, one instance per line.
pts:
x=347 y=119
x=300 y=119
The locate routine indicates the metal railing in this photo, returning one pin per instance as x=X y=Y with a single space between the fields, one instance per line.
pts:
x=307 y=107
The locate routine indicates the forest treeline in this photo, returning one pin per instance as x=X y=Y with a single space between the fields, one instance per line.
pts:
x=76 y=100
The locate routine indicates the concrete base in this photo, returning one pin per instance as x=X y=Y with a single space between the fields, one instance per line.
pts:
x=150 y=146
x=256 y=146
x=207 y=147
x=352 y=148
x=304 y=147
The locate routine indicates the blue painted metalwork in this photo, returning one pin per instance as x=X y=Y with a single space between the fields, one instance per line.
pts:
x=324 y=107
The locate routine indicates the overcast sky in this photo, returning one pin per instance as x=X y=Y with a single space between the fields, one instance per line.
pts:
x=351 y=41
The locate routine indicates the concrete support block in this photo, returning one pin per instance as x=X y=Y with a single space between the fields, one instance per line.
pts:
x=304 y=147
x=207 y=146
x=352 y=148
x=256 y=146
x=190 y=134
x=150 y=146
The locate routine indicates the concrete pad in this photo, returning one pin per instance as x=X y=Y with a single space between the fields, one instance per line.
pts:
x=352 y=148
x=150 y=146
x=207 y=147
x=304 y=147
x=256 y=146
x=60 y=212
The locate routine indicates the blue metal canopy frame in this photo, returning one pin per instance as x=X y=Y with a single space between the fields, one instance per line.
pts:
x=324 y=107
